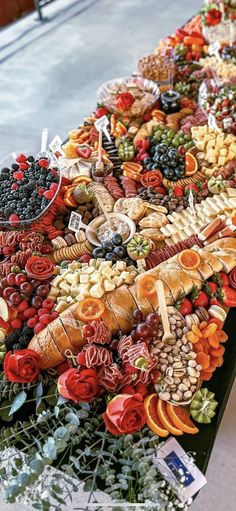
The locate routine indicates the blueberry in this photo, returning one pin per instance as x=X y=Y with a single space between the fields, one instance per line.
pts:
x=117 y=239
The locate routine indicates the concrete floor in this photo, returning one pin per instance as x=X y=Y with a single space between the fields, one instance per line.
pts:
x=48 y=77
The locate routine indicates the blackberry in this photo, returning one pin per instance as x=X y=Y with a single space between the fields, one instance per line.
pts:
x=26 y=330
x=11 y=339
x=16 y=346
x=23 y=344
x=15 y=166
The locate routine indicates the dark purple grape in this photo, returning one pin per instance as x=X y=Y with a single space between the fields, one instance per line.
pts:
x=143 y=330
x=138 y=315
x=152 y=319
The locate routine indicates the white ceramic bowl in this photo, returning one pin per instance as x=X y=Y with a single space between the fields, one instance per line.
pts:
x=97 y=222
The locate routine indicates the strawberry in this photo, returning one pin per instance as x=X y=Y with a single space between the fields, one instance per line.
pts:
x=199 y=298
x=229 y=296
x=101 y=111
x=49 y=194
x=38 y=328
x=191 y=186
x=18 y=175
x=184 y=306
x=24 y=166
x=214 y=301
x=43 y=163
x=224 y=279
x=210 y=288
x=21 y=158
x=178 y=191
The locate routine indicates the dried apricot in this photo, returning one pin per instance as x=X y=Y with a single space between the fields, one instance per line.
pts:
x=197 y=331
x=209 y=330
x=202 y=325
x=217 y=352
x=203 y=359
x=198 y=346
x=192 y=337
x=213 y=341
x=205 y=376
x=217 y=321
x=220 y=361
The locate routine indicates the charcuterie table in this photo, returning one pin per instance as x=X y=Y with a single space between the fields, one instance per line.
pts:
x=118 y=285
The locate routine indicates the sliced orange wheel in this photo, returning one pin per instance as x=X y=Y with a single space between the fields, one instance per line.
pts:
x=165 y=419
x=189 y=259
x=153 y=420
x=191 y=164
x=146 y=286
x=179 y=416
x=90 y=309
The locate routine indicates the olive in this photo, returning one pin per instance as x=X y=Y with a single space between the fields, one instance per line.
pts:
x=155 y=166
x=120 y=251
x=117 y=238
x=98 y=252
x=173 y=154
x=149 y=166
x=111 y=257
x=163 y=159
x=108 y=246
x=161 y=148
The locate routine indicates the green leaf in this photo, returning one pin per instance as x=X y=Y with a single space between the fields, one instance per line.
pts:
x=18 y=402
x=72 y=419
x=62 y=433
x=4 y=411
x=89 y=485
x=49 y=448
x=57 y=489
x=53 y=393
x=38 y=394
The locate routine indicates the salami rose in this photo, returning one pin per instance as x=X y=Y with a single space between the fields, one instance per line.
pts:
x=39 y=268
x=232 y=278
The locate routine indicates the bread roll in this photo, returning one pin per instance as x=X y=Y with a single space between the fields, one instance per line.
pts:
x=120 y=304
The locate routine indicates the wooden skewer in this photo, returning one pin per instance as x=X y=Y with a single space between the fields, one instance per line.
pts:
x=163 y=311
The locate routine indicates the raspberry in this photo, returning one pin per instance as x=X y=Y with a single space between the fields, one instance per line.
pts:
x=32 y=322
x=45 y=319
x=30 y=312
x=42 y=311
x=21 y=158
x=48 y=304
x=18 y=175
x=16 y=323
x=14 y=186
x=38 y=328
x=40 y=191
x=43 y=163
x=14 y=220
x=4 y=324
x=49 y=194
x=54 y=315
x=23 y=306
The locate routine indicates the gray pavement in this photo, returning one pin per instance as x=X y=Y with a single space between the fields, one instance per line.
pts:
x=48 y=78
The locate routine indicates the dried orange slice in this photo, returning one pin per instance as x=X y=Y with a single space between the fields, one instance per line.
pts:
x=165 y=419
x=191 y=164
x=132 y=166
x=180 y=418
x=146 y=286
x=189 y=259
x=90 y=309
x=158 y=114
x=153 y=421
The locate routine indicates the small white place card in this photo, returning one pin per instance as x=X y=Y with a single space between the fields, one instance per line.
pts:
x=179 y=469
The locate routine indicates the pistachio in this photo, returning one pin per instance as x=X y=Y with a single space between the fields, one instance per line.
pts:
x=188 y=394
x=192 y=363
x=169 y=371
x=163 y=368
x=164 y=395
x=175 y=396
x=183 y=387
x=177 y=365
x=178 y=373
x=170 y=359
x=191 y=371
x=186 y=382
x=192 y=379
x=169 y=380
x=177 y=380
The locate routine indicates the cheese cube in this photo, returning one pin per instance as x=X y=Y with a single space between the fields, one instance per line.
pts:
x=61 y=306
x=72 y=278
x=120 y=265
x=108 y=272
x=96 y=291
x=84 y=278
x=118 y=281
x=65 y=287
x=221 y=160
x=55 y=282
x=95 y=277
x=93 y=262
x=108 y=285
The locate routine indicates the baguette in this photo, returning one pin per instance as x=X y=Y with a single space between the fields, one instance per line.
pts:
x=66 y=331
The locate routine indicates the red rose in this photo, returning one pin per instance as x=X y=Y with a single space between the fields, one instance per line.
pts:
x=22 y=366
x=78 y=385
x=125 y=413
x=213 y=17
x=124 y=101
